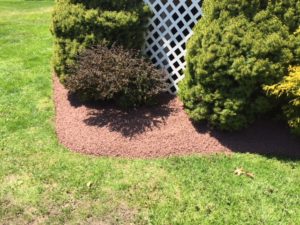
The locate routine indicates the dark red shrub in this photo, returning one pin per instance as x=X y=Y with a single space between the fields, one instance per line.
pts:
x=102 y=73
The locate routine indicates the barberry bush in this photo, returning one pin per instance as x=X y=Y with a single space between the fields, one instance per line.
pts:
x=102 y=73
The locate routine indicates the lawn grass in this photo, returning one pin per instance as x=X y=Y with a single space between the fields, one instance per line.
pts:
x=41 y=182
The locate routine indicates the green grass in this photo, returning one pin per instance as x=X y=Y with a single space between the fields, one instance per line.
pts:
x=41 y=182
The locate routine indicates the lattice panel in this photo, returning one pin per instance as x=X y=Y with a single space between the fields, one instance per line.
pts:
x=169 y=30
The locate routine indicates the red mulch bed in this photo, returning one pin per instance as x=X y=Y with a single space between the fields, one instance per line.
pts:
x=160 y=131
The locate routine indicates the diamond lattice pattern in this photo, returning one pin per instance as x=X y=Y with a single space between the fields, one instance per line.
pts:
x=169 y=30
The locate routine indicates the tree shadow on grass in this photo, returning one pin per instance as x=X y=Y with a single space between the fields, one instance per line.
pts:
x=264 y=137
x=129 y=123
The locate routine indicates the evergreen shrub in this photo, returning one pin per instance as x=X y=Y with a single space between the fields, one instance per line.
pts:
x=238 y=47
x=288 y=91
x=78 y=24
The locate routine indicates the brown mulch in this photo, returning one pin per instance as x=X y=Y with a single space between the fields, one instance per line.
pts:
x=160 y=131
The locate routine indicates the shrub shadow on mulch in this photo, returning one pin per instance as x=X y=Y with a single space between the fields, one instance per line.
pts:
x=130 y=122
x=265 y=137
x=164 y=130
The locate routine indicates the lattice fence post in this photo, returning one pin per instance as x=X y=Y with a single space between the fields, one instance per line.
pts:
x=169 y=30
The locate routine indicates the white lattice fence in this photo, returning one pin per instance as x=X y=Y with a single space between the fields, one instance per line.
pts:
x=169 y=30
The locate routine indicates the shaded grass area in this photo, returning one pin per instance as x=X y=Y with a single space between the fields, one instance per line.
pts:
x=43 y=183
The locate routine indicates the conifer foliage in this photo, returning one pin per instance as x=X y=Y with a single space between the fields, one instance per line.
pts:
x=238 y=47
x=288 y=91
x=78 y=24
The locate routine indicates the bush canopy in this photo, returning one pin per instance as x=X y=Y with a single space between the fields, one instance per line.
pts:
x=102 y=73
x=288 y=92
x=238 y=47
x=78 y=24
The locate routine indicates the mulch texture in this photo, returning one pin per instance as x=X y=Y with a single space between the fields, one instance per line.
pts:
x=159 y=131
